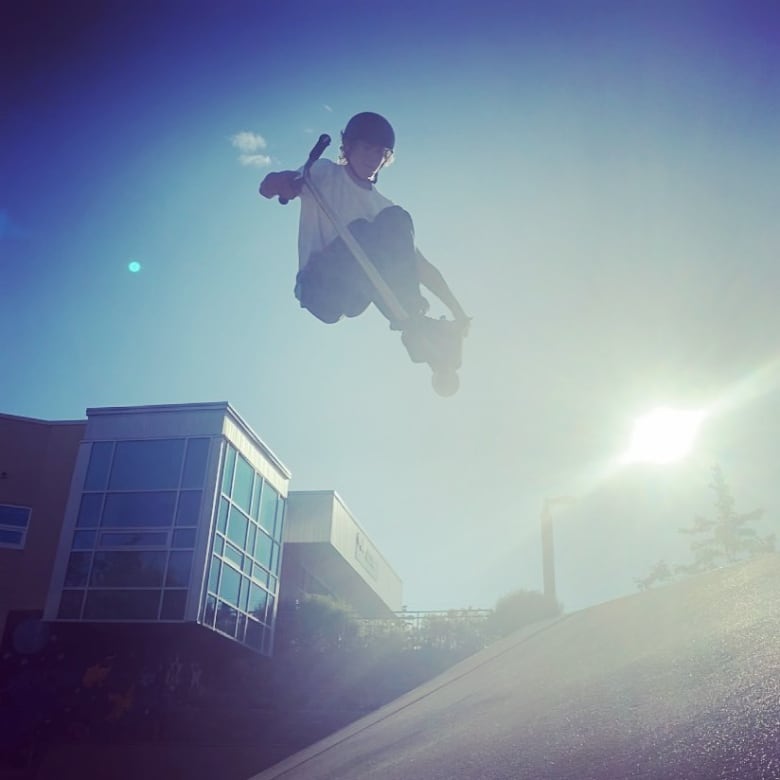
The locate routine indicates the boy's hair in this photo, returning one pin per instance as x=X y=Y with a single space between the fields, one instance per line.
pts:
x=342 y=158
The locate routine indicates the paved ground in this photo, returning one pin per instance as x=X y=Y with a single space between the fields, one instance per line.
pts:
x=679 y=683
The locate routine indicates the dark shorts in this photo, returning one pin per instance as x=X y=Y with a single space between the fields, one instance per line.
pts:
x=332 y=285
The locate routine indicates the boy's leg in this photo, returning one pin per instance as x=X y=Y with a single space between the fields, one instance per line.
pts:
x=329 y=285
x=389 y=244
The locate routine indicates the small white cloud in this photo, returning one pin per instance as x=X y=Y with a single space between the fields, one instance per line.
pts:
x=255 y=160
x=248 y=142
x=328 y=108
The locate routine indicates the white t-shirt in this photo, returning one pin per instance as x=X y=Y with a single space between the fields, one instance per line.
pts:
x=345 y=197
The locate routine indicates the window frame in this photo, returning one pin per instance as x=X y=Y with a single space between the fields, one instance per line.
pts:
x=21 y=530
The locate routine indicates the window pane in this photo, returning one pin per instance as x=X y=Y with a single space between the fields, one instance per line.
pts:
x=254 y=634
x=258 y=598
x=173 y=604
x=243 y=596
x=263 y=549
x=147 y=465
x=130 y=568
x=210 y=610
x=233 y=554
x=280 y=507
x=241 y=627
x=256 y=496
x=83 y=540
x=226 y=618
x=195 y=463
x=228 y=588
x=123 y=510
x=15 y=516
x=179 y=565
x=70 y=604
x=259 y=574
x=219 y=544
x=269 y=610
x=250 y=540
x=242 y=486
x=184 y=537
x=216 y=564
x=99 y=462
x=237 y=527
x=275 y=559
x=89 y=511
x=133 y=538
x=224 y=507
x=227 y=470
x=122 y=605
x=189 y=507
x=11 y=538
x=78 y=569
x=268 y=508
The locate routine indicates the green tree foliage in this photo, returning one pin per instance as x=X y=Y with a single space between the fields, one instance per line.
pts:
x=317 y=625
x=661 y=572
x=725 y=538
x=728 y=536
x=521 y=608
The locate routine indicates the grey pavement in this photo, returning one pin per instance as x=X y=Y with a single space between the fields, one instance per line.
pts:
x=678 y=683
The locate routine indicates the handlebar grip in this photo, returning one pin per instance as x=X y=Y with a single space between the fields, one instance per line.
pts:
x=322 y=144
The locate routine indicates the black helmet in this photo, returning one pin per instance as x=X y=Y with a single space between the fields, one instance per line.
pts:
x=370 y=127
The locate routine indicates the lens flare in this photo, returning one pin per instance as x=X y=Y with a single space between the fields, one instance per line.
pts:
x=664 y=435
x=134 y=266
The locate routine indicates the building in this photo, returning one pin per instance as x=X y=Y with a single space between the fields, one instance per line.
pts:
x=172 y=514
x=142 y=564
x=36 y=465
x=327 y=552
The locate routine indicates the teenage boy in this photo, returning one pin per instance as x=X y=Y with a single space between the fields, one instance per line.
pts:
x=330 y=282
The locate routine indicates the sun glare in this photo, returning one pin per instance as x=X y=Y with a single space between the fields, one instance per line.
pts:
x=663 y=435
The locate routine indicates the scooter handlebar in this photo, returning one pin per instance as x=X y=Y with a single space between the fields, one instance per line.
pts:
x=322 y=144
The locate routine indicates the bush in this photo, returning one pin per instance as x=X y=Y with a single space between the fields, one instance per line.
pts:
x=521 y=608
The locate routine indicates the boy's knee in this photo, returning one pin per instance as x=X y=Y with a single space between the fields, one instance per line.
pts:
x=396 y=218
x=311 y=298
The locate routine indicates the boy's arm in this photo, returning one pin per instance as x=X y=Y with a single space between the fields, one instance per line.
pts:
x=430 y=276
x=286 y=184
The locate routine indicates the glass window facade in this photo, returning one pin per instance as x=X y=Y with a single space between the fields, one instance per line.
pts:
x=132 y=550
x=243 y=572
x=138 y=546
x=14 y=522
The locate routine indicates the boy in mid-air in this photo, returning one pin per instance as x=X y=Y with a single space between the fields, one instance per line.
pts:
x=330 y=282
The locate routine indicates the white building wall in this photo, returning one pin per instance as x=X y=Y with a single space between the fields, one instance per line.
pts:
x=309 y=516
x=323 y=517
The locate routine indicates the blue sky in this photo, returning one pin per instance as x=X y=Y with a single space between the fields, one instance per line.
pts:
x=598 y=181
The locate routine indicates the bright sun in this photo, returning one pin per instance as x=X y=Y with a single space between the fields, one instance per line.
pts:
x=663 y=435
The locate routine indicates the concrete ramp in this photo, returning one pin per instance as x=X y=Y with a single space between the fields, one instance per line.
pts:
x=678 y=683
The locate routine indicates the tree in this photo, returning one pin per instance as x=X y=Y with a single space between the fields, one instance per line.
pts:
x=661 y=572
x=521 y=608
x=727 y=537
x=317 y=624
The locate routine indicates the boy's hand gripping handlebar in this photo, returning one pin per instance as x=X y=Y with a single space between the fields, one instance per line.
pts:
x=322 y=144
